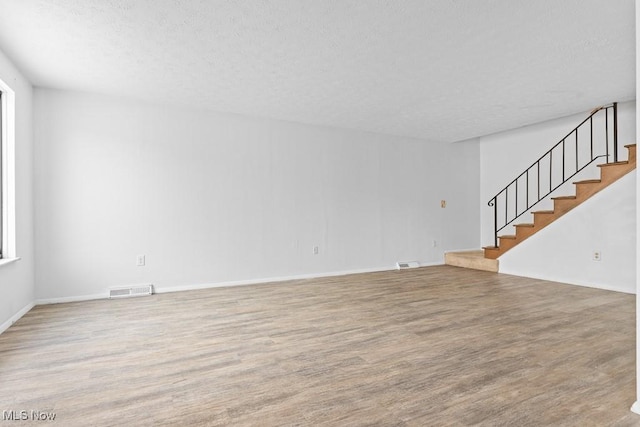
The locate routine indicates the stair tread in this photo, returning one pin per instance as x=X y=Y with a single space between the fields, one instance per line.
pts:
x=543 y=212
x=625 y=162
x=629 y=145
x=507 y=236
x=526 y=224
x=491 y=248
x=589 y=181
x=563 y=198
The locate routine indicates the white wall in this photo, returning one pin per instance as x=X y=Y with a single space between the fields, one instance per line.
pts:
x=563 y=251
x=17 y=279
x=218 y=198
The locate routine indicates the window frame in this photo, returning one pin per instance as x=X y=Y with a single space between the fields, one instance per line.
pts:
x=2 y=180
x=7 y=175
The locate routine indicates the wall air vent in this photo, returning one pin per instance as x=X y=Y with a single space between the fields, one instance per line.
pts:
x=131 y=291
x=401 y=265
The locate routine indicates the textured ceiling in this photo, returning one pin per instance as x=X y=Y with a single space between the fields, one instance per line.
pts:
x=439 y=70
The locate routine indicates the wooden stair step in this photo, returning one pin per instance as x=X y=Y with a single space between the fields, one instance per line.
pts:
x=525 y=230
x=491 y=252
x=589 y=181
x=563 y=198
x=622 y=163
x=543 y=218
x=631 y=148
x=507 y=242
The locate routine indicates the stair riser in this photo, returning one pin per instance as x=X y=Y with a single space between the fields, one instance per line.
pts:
x=506 y=244
x=584 y=191
x=610 y=174
x=524 y=232
x=541 y=220
x=565 y=205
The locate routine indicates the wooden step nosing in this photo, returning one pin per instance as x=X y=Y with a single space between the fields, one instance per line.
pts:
x=529 y=224
x=589 y=181
x=603 y=165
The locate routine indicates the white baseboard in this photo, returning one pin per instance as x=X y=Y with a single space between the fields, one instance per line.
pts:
x=166 y=289
x=192 y=287
x=13 y=319
x=566 y=282
x=71 y=299
x=431 y=264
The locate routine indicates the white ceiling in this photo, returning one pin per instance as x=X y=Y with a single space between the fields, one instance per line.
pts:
x=439 y=70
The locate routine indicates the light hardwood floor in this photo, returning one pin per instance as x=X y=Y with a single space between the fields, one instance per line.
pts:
x=423 y=347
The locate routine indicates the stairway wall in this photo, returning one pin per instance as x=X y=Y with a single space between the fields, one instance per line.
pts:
x=564 y=250
x=605 y=223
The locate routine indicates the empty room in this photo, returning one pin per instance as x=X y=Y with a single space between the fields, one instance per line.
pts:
x=318 y=212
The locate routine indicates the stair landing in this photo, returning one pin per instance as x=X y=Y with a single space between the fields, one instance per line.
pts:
x=471 y=259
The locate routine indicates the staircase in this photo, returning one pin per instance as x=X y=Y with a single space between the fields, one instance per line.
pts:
x=594 y=142
x=609 y=173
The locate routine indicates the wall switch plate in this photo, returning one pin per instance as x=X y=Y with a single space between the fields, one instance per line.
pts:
x=443 y=203
x=140 y=260
x=316 y=250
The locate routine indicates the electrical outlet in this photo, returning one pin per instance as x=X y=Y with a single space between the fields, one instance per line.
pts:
x=597 y=256
x=316 y=250
x=140 y=260
x=443 y=203
x=435 y=243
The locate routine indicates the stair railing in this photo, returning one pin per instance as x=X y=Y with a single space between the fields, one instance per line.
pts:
x=595 y=137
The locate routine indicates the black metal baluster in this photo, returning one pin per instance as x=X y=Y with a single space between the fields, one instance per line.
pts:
x=495 y=222
x=615 y=131
x=606 y=131
x=506 y=206
x=516 y=203
x=528 y=189
x=550 y=169
x=576 y=152
x=538 y=163
x=563 y=162
x=591 y=133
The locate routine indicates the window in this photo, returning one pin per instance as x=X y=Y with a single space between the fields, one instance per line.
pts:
x=7 y=173
x=1 y=176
